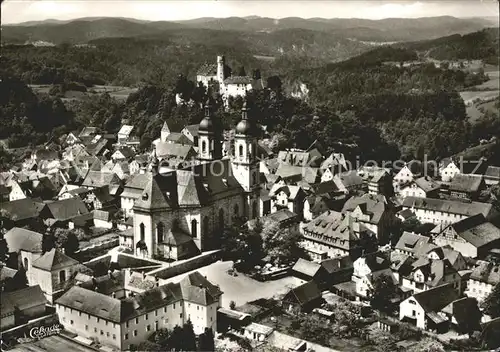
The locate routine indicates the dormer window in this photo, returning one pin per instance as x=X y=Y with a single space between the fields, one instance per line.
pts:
x=145 y=196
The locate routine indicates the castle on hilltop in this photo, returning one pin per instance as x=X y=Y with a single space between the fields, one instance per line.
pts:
x=229 y=85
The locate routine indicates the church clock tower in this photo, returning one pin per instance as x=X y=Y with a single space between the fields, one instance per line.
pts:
x=245 y=163
x=210 y=136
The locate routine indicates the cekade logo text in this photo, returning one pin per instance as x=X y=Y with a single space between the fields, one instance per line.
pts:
x=40 y=332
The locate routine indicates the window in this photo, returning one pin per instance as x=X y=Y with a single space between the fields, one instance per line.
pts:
x=62 y=276
x=126 y=324
x=106 y=323
x=174 y=305
x=102 y=332
x=156 y=313
x=107 y=334
x=86 y=327
x=126 y=337
x=146 y=317
x=148 y=328
x=194 y=228
x=164 y=309
x=88 y=316
x=159 y=233
x=236 y=210
x=95 y=329
x=97 y=319
x=79 y=314
x=180 y=315
x=156 y=325
x=26 y=264
x=142 y=230
x=71 y=322
x=241 y=150
x=137 y=320
x=114 y=337
x=135 y=332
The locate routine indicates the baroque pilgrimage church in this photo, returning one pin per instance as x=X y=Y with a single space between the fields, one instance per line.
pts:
x=182 y=212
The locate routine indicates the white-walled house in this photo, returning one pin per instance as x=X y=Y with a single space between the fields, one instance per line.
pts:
x=423 y=309
x=121 y=323
x=482 y=280
x=448 y=169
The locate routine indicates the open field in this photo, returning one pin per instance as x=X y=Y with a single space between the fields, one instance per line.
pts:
x=474 y=113
x=117 y=92
x=52 y=343
x=242 y=289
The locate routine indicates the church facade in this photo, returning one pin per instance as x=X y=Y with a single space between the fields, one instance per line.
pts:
x=183 y=212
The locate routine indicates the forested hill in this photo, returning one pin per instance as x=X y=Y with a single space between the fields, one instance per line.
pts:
x=480 y=45
x=391 y=29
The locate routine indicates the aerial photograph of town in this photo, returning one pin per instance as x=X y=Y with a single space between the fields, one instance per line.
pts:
x=250 y=175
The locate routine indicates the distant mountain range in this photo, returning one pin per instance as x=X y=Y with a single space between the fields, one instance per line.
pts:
x=83 y=30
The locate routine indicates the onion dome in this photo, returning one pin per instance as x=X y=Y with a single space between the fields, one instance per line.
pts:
x=207 y=123
x=245 y=126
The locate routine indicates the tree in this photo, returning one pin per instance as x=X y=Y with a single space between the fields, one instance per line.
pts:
x=161 y=337
x=382 y=292
x=282 y=245
x=4 y=249
x=241 y=71
x=232 y=305
x=491 y=303
x=206 y=341
x=48 y=242
x=189 y=337
x=67 y=239
x=176 y=339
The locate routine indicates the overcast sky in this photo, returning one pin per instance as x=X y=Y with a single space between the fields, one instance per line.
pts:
x=15 y=11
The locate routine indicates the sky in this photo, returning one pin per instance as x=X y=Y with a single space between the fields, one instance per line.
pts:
x=15 y=11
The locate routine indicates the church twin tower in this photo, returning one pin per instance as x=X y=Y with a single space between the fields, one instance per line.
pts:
x=244 y=162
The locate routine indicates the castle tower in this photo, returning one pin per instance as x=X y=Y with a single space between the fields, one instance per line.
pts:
x=209 y=135
x=221 y=62
x=246 y=167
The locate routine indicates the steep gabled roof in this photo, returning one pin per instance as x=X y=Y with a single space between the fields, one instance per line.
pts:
x=197 y=289
x=436 y=298
x=54 y=260
x=152 y=196
x=477 y=230
x=66 y=209
x=23 y=299
x=466 y=183
x=303 y=294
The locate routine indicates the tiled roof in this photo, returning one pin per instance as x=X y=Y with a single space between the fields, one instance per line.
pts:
x=66 y=209
x=22 y=209
x=303 y=294
x=435 y=299
x=88 y=131
x=493 y=172
x=306 y=267
x=448 y=206
x=197 y=289
x=335 y=264
x=413 y=243
x=182 y=151
x=466 y=183
x=207 y=70
x=486 y=272
x=22 y=239
x=178 y=138
x=238 y=80
x=477 y=230
x=427 y=184
x=23 y=300
x=100 y=179
x=54 y=260
x=373 y=205
x=348 y=179
x=193 y=129
x=332 y=228
x=176 y=237
x=312 y=158
x=6 y=273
